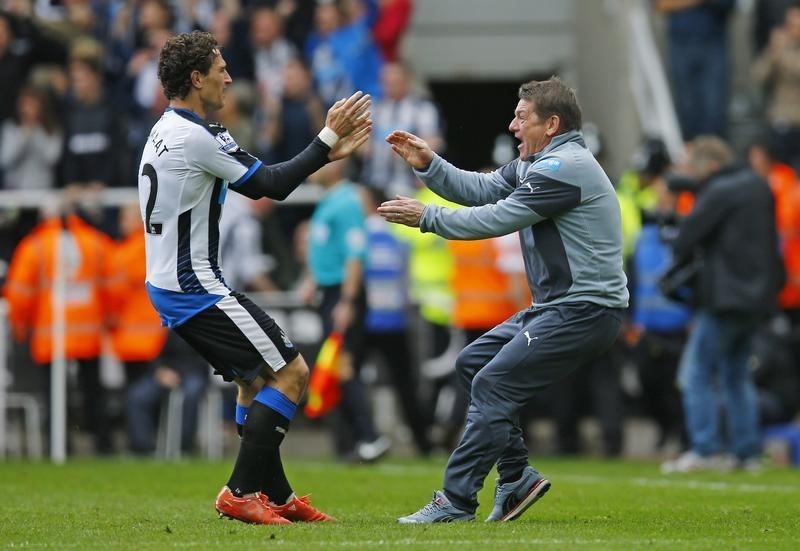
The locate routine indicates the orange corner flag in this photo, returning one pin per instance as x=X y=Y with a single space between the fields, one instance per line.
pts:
x=324 y=392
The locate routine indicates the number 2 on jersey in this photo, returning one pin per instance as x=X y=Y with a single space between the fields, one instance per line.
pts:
x=150 y=172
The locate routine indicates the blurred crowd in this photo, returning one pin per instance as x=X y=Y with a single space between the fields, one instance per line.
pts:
x=81 y=91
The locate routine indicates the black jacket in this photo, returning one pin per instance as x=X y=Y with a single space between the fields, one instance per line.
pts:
x=733 y=227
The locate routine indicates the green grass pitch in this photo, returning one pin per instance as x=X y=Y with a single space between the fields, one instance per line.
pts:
x=133 y=504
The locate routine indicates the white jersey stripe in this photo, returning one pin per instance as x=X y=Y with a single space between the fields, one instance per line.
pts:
x=253 y=331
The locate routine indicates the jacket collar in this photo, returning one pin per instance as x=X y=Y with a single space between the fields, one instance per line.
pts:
x=559 y=140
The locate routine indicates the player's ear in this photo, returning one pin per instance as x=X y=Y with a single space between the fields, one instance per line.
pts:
x=196 y=78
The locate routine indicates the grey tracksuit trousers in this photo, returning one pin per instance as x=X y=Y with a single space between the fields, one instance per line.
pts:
x=501 y=371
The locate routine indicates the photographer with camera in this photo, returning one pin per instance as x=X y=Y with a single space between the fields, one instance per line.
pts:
x=732 y=226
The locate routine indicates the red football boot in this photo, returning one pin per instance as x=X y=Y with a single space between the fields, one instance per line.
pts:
x=247 y=509
x=299 y=509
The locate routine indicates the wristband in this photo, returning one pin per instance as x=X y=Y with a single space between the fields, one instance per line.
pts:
x=328 y=136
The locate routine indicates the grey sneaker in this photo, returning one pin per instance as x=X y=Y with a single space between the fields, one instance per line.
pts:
x=438 y=510
x=513 y=498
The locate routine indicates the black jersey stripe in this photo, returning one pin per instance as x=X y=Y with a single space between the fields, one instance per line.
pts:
x=214 y=212
x=187 y=278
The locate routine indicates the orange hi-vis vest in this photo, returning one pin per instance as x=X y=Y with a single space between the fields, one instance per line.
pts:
x=136 y=333
x=29 y=288
x=786 y=190
x=483 y=291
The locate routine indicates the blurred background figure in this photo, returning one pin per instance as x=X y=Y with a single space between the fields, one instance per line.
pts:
x=271 y=51
x=178 y=369
x=336 y=254
x=387 y=324
x=732 y=227
x=697 y=38
x=137 y=336
x=295 y=117
x=390 y=27
x=777 y=69
x=94 y=135
x=31 y=144
x=400 y=109
x=341 y=51
x=431 y=272
x=245 y=265
x=657 y=326
x=29 y=292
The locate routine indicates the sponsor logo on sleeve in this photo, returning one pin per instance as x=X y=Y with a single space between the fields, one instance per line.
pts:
x=226 y=142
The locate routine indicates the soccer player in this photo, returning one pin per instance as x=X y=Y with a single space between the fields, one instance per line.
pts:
x=566 y=212
x=188 y=166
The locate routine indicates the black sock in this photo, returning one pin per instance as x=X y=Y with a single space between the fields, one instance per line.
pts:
x=356 y=408
x=274 y=482
x=258 y=450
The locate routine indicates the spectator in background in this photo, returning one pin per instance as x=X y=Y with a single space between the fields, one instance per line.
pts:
x=298 y=17
x=336 y=253
x=231 y=32
x=400 y=108
x=295 y=117
x=271 y=52
x=137 y=336
x=431 y=271
x=656 y=332
x=31 y=143
x=13 y=68
x=698 y=61
x=732 y=226
x=786 y=189
x=767 y=16
x=29 y=292
x=387 y=318
x=775 y=374
x=393 y=19
x=95 y=144
x=148 y=100
x=241 y=257
x=778 y=69
x=237 y=114
x=30 y=147
x=341 y=51
x=22 y=46
x=178 y=368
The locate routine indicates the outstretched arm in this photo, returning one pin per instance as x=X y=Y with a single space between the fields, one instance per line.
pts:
x=460 y=186
x=346 y=128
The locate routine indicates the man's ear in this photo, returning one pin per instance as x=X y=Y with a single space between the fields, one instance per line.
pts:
x=197 y=79
x=552 y=125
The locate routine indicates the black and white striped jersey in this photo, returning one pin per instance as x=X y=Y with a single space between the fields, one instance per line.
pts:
x=187 y=166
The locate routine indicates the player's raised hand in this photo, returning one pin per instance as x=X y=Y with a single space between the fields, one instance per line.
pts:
x=414 y=150
x=347 y=114
x=355 y=139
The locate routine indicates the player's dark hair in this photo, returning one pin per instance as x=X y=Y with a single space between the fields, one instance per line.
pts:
x=553 y=97
x=182 y=54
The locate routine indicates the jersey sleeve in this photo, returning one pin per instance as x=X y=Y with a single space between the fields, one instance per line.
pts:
x=217 y=153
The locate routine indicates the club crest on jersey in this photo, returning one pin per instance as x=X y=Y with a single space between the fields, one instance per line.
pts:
x=226 y=142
